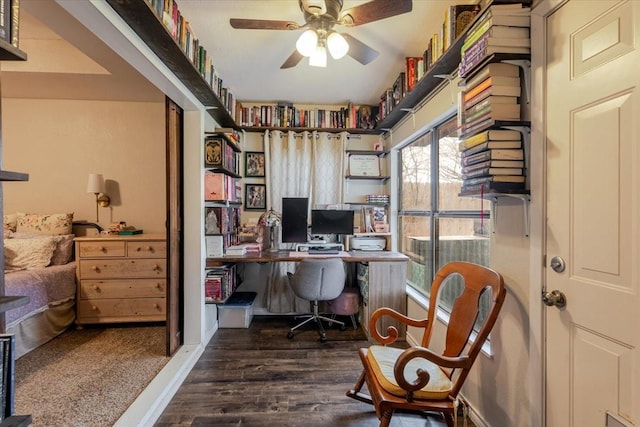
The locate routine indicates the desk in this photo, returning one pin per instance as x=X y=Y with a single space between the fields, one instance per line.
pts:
x=382 y=276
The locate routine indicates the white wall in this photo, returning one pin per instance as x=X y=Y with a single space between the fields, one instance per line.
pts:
x=59 y=142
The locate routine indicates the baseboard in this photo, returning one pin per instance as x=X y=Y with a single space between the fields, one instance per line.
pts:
x=150 y=404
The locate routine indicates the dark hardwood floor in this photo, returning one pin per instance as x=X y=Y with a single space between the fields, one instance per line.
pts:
x=259 y=377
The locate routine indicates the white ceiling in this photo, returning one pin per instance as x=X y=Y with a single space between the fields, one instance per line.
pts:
x=248 y=60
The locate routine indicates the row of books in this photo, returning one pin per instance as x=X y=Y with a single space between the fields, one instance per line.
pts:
x=456 y=20
x=10 y=21
x=502 y=28
x=220 y=187
x=221 y=219
x=180 y=30
x=288 y=115
x=219 y=153
x=219 y=283
x=491 y=94
x=492 y=160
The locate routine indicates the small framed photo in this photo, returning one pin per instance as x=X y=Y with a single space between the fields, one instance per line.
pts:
x=254 y=164
x=255 y=197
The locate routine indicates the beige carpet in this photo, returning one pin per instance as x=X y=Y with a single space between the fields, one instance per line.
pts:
x=88 y=377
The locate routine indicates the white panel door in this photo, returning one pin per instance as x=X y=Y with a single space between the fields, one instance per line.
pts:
x=593 y=207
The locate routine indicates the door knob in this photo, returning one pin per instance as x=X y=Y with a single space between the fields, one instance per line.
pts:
x=554 y=297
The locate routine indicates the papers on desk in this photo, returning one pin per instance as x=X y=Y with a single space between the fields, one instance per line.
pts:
x=302 y=254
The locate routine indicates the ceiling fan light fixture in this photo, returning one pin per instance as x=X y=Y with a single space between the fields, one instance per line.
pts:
x=337 y=45
x=307 y=43
x=319 y=57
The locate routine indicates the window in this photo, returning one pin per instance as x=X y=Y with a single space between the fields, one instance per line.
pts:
x=435 y=225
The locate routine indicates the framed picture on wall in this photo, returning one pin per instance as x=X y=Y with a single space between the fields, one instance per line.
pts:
x=254 y=164
x=255 y=197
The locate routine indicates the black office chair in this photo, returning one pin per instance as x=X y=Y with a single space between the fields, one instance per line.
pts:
x=318 y=280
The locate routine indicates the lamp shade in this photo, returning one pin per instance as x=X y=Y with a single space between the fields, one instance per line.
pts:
x=95 y=183
x=319 y=57
x=337 y=45
x=307 y=43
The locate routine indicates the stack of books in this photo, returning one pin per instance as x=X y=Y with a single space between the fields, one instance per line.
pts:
x=236 y=250
x=491 y=94
x=503 y=28
x=492 y=161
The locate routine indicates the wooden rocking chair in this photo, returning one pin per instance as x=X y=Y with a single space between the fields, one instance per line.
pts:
x=417 y=378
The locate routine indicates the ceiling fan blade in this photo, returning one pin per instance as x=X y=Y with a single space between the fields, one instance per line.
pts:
x=262 y=24
x=374 y=11
x=292 y=60
x=360 y=51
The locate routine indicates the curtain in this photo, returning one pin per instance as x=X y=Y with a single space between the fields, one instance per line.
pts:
x=304 y=164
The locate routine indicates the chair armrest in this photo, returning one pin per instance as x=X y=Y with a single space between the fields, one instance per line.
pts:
x=392 y=331
x=422 y=376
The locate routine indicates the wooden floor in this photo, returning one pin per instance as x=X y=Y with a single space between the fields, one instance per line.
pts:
x=259 y=377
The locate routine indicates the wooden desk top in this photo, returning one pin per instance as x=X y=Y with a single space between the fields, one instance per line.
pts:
x=282 y=256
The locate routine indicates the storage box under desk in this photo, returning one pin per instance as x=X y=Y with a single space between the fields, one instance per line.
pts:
x=237 y=312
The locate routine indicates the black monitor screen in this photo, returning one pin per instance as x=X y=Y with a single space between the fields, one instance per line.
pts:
x=295 y=219
x=331 y=221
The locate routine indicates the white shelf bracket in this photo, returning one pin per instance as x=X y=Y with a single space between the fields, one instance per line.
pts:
x=525 y=65
x=524 y=198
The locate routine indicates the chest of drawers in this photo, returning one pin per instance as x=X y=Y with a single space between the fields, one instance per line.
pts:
x=121 y=279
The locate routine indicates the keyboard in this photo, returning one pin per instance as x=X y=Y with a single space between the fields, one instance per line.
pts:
x=323 y=252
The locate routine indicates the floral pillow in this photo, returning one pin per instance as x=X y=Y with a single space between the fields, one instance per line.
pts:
x=53 y=224
x=10 y=221
x=27 y=254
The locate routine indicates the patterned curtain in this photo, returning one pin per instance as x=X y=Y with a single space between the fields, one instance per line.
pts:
x=306 y=164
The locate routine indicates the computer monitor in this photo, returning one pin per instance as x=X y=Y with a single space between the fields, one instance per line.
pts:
x=331 y=221
x=295 y=219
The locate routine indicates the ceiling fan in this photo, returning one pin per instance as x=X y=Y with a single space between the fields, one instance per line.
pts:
x=319 y=36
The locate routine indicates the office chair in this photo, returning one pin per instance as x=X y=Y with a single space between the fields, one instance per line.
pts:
x=317 y=280
x=419 y=379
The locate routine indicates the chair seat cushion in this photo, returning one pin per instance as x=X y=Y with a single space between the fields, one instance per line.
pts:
x=382 y=360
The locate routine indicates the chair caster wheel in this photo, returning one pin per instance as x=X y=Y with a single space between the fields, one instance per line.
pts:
x=323 y=338
x=343 y=328
x=290 y=335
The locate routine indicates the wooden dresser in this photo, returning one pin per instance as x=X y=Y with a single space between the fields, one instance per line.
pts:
x=121 y=278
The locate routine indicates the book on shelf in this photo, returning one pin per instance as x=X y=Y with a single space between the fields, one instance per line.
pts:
x=496 y=112
x=498 y=15
x=485 y=94
x=500 y=32
x=494 y=178
x=487 y=40
x=494 y=154
x=5 y=20
x=457 y=19
x=468 y=63
x=495 y=69
x=491 y=135
x=507 y=164
x=491 y=187
x=236 y=250
x=15 y=23
x=491 y=171
x=505 y=86
x=214 y=246
x=412 y=64
x=399 y=89
x=491 y=145
x=477 y=103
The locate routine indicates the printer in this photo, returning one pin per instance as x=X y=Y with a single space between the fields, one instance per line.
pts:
x=368 y=243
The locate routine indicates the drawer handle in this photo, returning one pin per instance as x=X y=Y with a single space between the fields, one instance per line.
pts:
x=96 y=287
x=95 y=268
x=158 y=285
x=156 y=306
x=103 y=249
x=149 y=248
x=94 y=308
x=156 y=267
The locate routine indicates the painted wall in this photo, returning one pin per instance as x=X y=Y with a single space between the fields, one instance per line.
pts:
x=498 y=387
x=59 y=142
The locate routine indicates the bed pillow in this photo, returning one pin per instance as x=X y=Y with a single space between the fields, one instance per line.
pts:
x=10 y=222
x=63 y=252
x=52 y=224
x=27 y=254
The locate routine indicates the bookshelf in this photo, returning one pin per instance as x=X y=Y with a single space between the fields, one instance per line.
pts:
x=142 y=19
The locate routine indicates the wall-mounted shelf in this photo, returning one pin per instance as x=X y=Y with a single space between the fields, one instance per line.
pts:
x=13 y=176
x=370 y=178
x=380 y=154
x=139 y=15
x=356 y=131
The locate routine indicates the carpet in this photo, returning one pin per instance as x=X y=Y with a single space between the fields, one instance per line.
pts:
x=88 y=377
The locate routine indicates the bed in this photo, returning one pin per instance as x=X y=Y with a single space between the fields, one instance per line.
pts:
x=39 y=264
